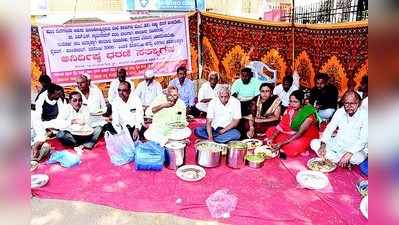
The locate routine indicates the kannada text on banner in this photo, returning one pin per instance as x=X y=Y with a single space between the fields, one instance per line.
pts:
x=99 y=49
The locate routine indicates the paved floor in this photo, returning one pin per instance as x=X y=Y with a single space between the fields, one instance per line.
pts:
x=61 y=212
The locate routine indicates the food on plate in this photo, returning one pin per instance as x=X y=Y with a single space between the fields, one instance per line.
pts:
x=252 y=143
x=322 y=165
x=267 y=151
x=190 y=173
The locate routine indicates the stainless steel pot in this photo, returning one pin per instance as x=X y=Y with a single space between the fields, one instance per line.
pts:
x=236 y=154
x=209 y=154
x=175 y=154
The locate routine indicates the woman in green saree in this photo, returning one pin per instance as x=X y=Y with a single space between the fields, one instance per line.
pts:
x=298 y=126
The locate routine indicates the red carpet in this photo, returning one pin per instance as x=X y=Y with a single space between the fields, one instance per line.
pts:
x=269 y=195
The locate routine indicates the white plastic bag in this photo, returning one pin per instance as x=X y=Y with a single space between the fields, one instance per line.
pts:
x=120 y=147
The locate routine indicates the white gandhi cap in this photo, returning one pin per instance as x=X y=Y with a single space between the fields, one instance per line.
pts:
x=149 y=73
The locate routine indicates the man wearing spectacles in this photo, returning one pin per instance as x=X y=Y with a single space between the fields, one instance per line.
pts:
x=76 y=114
x=349 y=145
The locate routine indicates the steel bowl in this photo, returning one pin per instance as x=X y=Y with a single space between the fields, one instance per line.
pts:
x=255 y=163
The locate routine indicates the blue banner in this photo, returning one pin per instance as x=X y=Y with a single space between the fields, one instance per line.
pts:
x=164 y=5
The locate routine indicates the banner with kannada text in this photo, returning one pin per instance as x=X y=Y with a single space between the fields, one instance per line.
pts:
x=161 y=45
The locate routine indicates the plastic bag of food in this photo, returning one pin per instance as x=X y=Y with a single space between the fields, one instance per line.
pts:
x=150 y=156
x=221 y=203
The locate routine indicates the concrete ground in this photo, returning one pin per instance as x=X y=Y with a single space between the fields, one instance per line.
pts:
x=62 y=212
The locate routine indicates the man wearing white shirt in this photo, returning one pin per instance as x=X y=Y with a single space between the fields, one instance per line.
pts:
x=49 y=105
x=148 y=89
x=208 y=91
x=349 y=146
x=127 y=111
x=113 y=87
x=223 y=116
x=75 y=113
x=93 y=99
x=284 y=90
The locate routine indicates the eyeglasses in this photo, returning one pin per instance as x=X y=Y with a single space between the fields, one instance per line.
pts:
x=350 y=103
x=125 y=90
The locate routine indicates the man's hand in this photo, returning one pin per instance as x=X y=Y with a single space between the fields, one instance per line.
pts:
x=268 y=115
x=108 y=119
x=222 y=131
x=210 y=138
x=206 y=100
x=345 y=160
x=168 y=104
x=135 y=134
x=36 y=149
x=251 y=132
x=322 y=150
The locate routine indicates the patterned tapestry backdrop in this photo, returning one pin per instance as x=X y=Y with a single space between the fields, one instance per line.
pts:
x=229 y=43
x=340 y=50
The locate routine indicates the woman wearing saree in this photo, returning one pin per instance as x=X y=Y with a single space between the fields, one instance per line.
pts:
x=265 y=111
x=298 y=126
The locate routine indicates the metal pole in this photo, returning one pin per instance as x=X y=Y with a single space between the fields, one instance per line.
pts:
x=293 y=35
x=198 y=40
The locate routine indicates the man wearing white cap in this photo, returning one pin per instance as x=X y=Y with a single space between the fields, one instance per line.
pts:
x=93 y=99
x=113 y=87
x=148 y=89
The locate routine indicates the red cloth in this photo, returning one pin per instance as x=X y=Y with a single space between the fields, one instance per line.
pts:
x=269 y=195
x=299 y=145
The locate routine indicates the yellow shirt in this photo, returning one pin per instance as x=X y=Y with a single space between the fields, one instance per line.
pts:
x=162 y=118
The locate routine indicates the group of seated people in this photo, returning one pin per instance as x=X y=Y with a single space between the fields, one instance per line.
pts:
x=283 y=116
